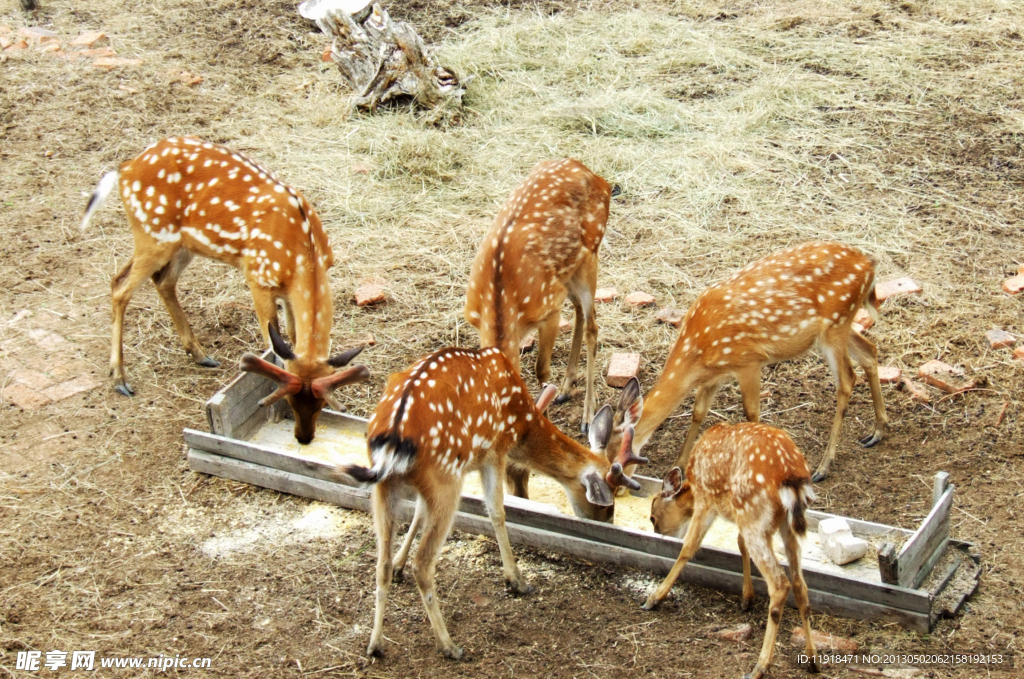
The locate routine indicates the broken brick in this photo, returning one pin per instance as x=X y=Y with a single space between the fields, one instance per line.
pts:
x=369 y=293
x=739 y=634
x=528 y=343
x=47 y=340
x=186 y=77
x=59 y=392
x=1015 y=284
x=1020 y=269
x=5 y=42
x=6 y=30
x=91 y=39
x=823 y=640
x=565 y=324
x=670 y=315
x=110 y=63
x=33 y=379
x=915 y=391
x=51 y=47
x=942 y=376
x=366 y=339
x=1000 y=339
x=863 y=319
x=896 y=286
x=359 y=168
x=621 y=368
x=327 y=55
x=38 y=36
x=639 y=299
x=606 y=295
x=17 y=47
x=888 y=374
x=23 y=397
x=98 y=52
x=1018 y=353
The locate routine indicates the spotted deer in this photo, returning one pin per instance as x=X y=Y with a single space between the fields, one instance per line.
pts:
x=542 y=249
x=463 y=410
x=774 y=309
x=184 y=197
x=754 y=476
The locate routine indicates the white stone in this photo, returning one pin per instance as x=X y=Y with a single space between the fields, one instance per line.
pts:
x=839 y=543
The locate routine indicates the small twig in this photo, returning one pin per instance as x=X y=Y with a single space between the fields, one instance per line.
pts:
x=1002 y=413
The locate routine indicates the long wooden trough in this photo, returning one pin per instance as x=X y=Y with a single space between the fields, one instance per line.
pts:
x=919 y=576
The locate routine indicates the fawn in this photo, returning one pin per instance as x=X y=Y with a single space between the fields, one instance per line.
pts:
x=462 y=410
x=772 y=310
x=184 y=197
x=754 y=476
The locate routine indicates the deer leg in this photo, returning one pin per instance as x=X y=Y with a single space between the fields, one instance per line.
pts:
x=750 y=389
x=517 y=480
x=266 y=311
x=748 y=585
x=141 y=266
x=491 y=476
x=403 y=551
x=796 y=575
x=166 y=281
x=839 y=361
x=701 y=405
x=440 y=513
x=778 y=589
x=289 y=319
x=865 y=354
x=699 y=525
x=547 y=331
x=384 y=526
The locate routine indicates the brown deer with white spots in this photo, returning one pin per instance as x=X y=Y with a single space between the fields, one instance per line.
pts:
x=754 y=476
x=185 y=197
x=463 y=410
x=542 y=249
x=774 y=309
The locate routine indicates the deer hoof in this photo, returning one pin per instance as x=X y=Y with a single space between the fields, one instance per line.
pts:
x=125 y=389
x=453 y=652
x=520 y=588
x=398 y=575
x=651 y=603
x=818 y=477
x=207 y=362
x=812 y=666
x=869 y=440
x=374 y=650
x=745 y=604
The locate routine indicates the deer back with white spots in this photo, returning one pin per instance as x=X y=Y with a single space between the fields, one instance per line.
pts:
x=463 y=410
x=754 y=476
x=774 y=309
x=184 y=197
x=542 y=249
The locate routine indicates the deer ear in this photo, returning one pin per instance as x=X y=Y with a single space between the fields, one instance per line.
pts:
x=601 y=429
x=546 y=396
x=277 y=343
x=343 y=359
x=322 y=386
x=631 y=404
x=673 y=483
x=598 y=491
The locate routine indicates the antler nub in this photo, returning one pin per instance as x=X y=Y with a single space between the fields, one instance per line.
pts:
x=626 y=455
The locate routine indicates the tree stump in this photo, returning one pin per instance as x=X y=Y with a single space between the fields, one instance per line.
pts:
x=383 y=60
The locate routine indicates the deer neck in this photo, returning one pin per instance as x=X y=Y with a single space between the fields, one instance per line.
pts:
x=548 y=451
x=312 y=310
x=683 y=372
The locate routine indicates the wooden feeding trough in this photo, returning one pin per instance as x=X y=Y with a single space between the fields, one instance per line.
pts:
x=917 y=576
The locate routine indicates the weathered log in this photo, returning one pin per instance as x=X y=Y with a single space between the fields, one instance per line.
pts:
x=385 y=61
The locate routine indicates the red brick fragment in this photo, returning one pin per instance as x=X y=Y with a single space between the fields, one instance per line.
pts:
x=565 y=325
x=888 y=374
x=369 y=293
x=38 y=36
x=6 y=30
x=327 y=56
x=670 y=315
x=739 y=634
x=91 y=39
x=915 y=391
x=824 y=641
x=359 y=168
x=17 y=47
x=98 y=52
x=621 y=368
x=896 y=286
x=942 y=376
x=863 y=319
x=33 y=379
x=1000 y=339
x=1014 y=285
x=639 y=299
x=1018 y=353
x=605 y=295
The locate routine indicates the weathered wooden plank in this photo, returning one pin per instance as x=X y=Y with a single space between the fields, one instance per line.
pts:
x=932 y=534
x=939 y=486
x=359 y=498
x=887 y=564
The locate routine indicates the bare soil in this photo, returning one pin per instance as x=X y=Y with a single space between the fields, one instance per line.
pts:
x=108 y=541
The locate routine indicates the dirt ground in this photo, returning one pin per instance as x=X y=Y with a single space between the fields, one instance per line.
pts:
x=109 y=543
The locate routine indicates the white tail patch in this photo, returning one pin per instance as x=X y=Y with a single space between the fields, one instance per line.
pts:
x=99 y=196
x=788 y=499
x=386 y=463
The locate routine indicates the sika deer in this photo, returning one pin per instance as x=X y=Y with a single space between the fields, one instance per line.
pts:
x=541 y=249
x=185 y=197
x=774 y=309
x=754 y=476
x=457 y=411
